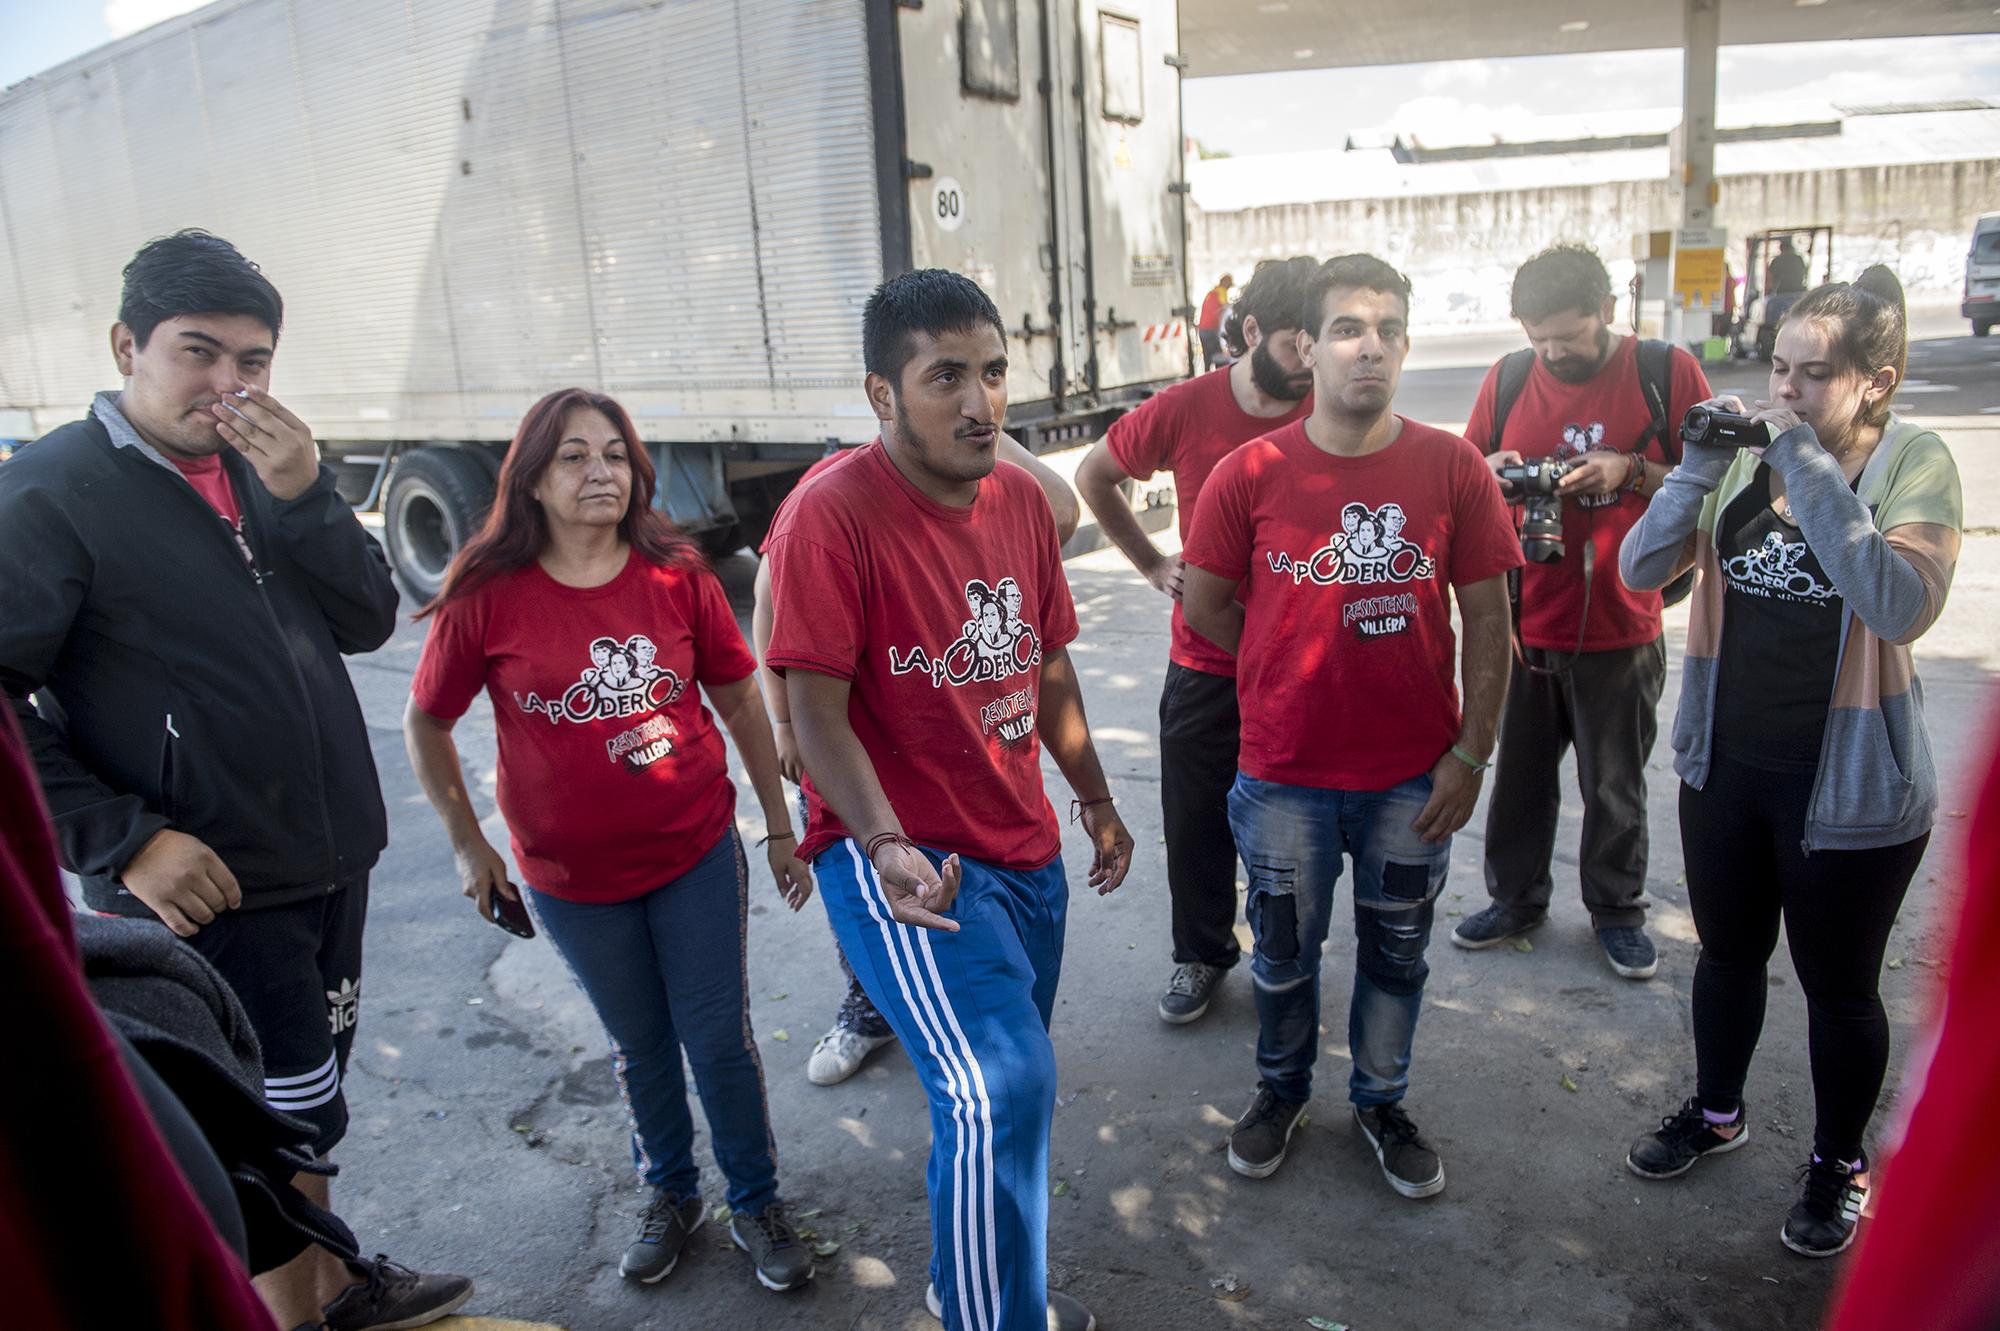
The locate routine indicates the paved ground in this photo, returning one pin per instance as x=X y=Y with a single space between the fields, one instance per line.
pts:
x=488 y=1136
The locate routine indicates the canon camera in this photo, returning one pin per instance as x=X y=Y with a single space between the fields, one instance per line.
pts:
x=1533 y=486
x=1722 y=429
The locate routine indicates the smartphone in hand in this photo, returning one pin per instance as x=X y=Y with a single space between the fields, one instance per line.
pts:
x=511 y=914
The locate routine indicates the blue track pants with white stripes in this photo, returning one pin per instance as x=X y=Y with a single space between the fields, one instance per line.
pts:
x=972 y=1011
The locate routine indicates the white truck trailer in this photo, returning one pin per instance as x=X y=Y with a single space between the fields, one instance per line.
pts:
x=683 y=203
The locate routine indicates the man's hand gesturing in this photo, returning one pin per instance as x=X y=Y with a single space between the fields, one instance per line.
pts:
x=918 y=894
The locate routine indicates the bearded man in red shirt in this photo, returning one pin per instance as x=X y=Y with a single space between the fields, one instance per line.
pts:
x=1185 y=431
x=1608 y=407
x=1343 y=532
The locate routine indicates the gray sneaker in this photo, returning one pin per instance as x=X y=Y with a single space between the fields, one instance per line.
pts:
x=392 y=1297
x=1188 y=992
x=1407 y=1160
x=1065 y=1313
x=1258 y=1143
x=782 y=1258
x=664 y=1227
x=1496 y=924
x=1629 y=952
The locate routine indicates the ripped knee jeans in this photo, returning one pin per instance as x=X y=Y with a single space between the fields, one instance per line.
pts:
x=1293 y=839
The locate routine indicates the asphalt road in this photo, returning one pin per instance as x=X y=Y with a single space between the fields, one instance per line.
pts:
x=488 y=1135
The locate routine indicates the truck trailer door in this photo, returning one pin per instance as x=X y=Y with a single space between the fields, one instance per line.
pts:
x=976 y=135
x=1127 y=126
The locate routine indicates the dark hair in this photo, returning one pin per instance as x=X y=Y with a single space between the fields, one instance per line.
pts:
x=930 y=301
x=1276 y=293
x=1351 y=272
x=1561 y=277
x=1231 y=331
x=1869 y=327
x=192 y=272
x=516 y=529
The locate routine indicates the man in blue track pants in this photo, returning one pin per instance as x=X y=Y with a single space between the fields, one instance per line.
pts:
x=921 y=625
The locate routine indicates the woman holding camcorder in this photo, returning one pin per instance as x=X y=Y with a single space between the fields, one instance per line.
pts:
x=1822 y=530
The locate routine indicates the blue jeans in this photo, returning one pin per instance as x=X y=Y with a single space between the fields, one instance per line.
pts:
x=1292 y=839
x=666 y=972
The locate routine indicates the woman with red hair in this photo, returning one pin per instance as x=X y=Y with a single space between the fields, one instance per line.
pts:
x=595 y=627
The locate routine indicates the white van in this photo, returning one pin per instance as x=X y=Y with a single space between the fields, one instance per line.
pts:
x=1982 y=276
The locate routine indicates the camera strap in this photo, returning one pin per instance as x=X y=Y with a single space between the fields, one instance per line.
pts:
x=1582 y=620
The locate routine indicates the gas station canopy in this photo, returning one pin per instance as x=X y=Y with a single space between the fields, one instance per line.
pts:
x=1259 y=36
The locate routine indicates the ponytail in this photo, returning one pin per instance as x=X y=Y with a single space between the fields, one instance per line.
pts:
x=1870 y=326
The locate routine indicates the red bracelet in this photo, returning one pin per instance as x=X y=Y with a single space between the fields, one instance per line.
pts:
x=881 y=839
x=1076 y=807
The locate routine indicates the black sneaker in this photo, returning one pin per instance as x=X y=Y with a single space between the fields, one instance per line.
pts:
x=392 y=1297
x=782 y=1258
x=1629 y=952
x=1188 y=992
x=1407 y=1160
x=1496 y=924
x=1684 y=1139
x=1065 y=1313
x=1824 y=1221
x=1258 y=1142
x=664 y=1227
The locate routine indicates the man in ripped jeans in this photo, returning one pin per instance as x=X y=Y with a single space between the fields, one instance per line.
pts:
x=1343 y=531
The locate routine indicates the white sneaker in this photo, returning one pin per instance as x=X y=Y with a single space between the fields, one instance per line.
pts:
x=840 y=1053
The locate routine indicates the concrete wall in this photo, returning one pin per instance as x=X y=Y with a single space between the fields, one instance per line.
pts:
x=1461 y=250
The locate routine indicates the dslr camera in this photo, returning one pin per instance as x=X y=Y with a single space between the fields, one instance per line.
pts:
x=1722 y=429
x=1533 y=486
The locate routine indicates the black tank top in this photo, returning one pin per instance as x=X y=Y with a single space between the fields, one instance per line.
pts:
x=1780 y=637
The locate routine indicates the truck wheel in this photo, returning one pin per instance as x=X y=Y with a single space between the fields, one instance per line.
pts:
x=1981 y=327
x=437 y=499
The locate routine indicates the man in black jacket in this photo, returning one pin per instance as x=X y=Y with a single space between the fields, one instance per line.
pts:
x=182 y=580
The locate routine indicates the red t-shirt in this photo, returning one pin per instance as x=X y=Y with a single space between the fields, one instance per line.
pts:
x=1211 y=310
x=1566 y=420
x=940 y=618
x=1345 y=671
x=1187 y=430
x=613 y=778
x=211 y=482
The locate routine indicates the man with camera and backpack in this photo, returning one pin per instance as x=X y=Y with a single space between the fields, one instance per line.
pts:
x=1580 y=427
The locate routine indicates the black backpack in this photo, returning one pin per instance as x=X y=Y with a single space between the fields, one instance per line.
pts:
x=1655 y=379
